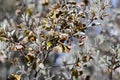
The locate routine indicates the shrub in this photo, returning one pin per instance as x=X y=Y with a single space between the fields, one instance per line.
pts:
x=59 y=44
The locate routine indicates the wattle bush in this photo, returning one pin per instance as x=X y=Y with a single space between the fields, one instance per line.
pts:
x=61 y=40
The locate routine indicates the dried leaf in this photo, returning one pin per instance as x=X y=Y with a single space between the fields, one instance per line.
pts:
x=13 y=49
x=14 y=77
x=58 y=14
x=58 y=49
x=45 y=2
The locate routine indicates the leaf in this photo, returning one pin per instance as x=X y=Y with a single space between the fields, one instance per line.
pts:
x=75 y=72
x=86 y=2
x=81 y=72
x=34 y=66
x=57 y=6
x=13 y=32
x=2 y=33
x=81 y=27
x=84 y=58
x=32 y=38
x=28 y=12
x=44 y=2
x=58 y=49
x=87 y=77
x=79 y=33
x=43 y=36
x=70 y=18
x=49 y=44
x=65 y=49
x=20 y=26
x=3 y=39
x=17 y=77
x=25 y=40
x=41 y=65
x=19 y=46
x=14 y=77
x=26 y=32
x=44 y=20
x=51 y=13
x=30 y=49
x=72 y=3
x=58 y=14
x=79 y=64
x=29 y=59
x=15 y=61
x=63 y=36
x=13 y=48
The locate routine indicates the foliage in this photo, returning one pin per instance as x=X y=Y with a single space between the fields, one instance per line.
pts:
x=59 y=43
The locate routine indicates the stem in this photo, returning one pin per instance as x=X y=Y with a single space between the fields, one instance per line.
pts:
x=111 y=75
